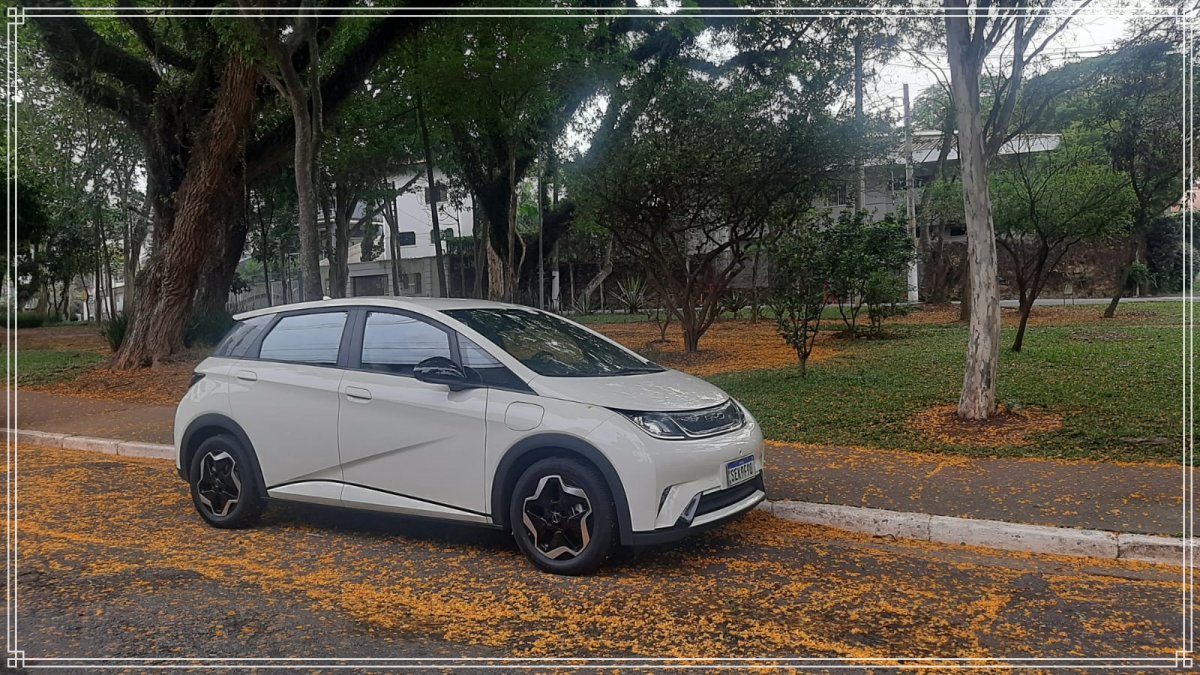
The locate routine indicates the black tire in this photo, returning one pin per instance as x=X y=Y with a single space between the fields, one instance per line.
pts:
x=586 y=524
x=228 y=494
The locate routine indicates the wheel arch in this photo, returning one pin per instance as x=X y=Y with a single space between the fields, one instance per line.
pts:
x=205 y=427
x=528 y=450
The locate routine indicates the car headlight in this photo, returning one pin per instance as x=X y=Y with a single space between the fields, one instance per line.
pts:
x=657 y=424
x=690 y=423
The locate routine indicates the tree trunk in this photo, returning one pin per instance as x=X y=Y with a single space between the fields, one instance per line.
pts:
x=436 y=234
x=479 y=237
x=217 y=277
x=1122 y=282
x=606 y=268
x=182 y=225
x=978 y=398
x=1026 y=309
x=496 y=272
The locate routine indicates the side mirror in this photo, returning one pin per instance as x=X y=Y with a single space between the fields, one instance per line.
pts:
x=441 y=370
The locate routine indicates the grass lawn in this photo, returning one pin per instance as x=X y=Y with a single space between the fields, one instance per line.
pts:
x=48 y=366
x=1113 y=384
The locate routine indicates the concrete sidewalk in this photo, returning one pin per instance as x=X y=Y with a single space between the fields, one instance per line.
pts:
x=1132 y=498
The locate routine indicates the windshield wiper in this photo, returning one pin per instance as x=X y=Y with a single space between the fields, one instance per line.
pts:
x=633 y=370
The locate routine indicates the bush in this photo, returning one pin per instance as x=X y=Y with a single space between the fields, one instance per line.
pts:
x=30 y=320
x=114 y=330
x=881 y=295
x=733 y=302
x=631 y=292
x=206 y=328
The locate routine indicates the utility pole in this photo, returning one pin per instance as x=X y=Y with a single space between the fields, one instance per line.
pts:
x=860 y=195
x=910 y=198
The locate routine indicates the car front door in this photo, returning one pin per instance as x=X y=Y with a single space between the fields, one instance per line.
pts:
x=409 y=446
x=284 y=394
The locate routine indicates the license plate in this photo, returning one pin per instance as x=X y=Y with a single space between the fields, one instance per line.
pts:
x=739 y=471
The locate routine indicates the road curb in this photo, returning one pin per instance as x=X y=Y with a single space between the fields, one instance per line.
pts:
x=107 y=446
x=995 y=534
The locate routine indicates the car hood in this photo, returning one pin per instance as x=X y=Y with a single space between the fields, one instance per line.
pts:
x=668 y=390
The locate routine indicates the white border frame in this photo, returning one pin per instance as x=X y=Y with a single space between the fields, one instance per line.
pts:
x=1187 y=13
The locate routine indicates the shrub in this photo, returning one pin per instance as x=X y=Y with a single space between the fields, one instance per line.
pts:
x=583 y=304
x=207 y=327
x=881 y=294
x=631 y=293
x=30 y=320
x=799 y=279
x=733 y=302
x=114 y=330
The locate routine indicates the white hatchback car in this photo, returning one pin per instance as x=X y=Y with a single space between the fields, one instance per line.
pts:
x=464 y=410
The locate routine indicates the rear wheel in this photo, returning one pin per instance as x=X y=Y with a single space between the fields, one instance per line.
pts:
x=225 y=486
x=562 y=516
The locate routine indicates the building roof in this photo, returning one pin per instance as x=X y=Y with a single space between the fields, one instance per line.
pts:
x=927 y=145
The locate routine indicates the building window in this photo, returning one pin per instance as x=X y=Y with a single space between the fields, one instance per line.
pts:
x=375 y=284
x=406 y=238
x=841 y=195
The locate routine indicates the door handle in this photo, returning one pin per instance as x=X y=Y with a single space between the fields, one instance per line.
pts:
x=247 y=375
x=358 y=394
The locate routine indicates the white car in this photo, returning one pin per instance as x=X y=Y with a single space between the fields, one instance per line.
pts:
x=464 y=410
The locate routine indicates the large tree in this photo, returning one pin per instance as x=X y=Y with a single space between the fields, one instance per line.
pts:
x=974 y=30
x=1045 y=204
x=708 y=167
x=194 y=99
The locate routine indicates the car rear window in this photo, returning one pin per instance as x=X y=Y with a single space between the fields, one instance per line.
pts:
x=241 y=336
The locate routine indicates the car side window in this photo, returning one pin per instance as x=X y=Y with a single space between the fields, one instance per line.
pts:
x=486 y=368
x=305 y=338
x=394 y=343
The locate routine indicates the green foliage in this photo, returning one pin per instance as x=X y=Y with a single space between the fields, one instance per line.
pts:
x=1109 y=390
x=30 y=320
x=1164 y=252
x=733 y=302
x=705 y=171
x=799 y=278
x=631 y=292
x=584 y=304
x=45 y=366
x=856 y=250
x=882 y=295
x=114 y=330
x=207 y=328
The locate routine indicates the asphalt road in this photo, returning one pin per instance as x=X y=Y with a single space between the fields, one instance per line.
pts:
x=113 y=562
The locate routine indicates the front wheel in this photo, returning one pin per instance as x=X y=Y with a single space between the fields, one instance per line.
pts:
x=562 y=516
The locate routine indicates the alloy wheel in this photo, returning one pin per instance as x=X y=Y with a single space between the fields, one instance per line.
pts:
x=219 y=486
x=556 y=516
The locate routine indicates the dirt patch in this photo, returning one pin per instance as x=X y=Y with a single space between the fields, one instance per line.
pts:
x=728 y=346
x=163 y=384
x=1008 y=428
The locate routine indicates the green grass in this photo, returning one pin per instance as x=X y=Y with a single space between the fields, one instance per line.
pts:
x=1126 y=386
x=45 y=366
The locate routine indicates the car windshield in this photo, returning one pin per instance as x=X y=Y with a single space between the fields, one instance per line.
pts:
x=547 y=345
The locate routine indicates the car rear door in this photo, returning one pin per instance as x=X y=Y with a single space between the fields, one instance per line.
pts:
x=284 y=394
x=409 y=446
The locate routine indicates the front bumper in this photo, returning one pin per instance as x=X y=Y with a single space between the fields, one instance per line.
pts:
x=713 y=509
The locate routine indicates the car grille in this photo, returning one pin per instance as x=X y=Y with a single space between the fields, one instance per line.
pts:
x=715 y=501
x=711 y=421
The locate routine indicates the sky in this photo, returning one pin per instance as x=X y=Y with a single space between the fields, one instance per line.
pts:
x=1086 y=36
